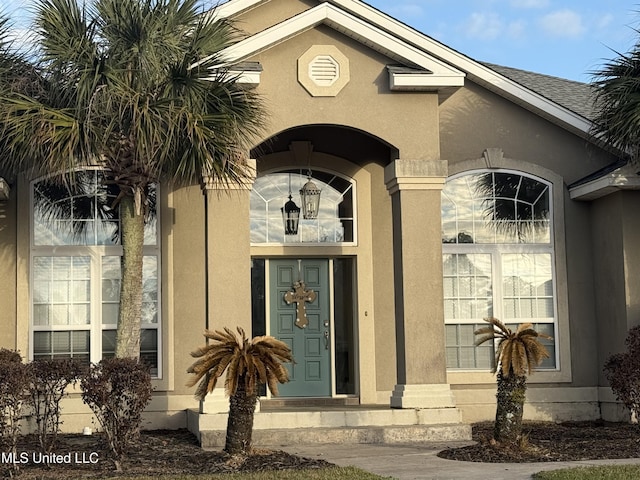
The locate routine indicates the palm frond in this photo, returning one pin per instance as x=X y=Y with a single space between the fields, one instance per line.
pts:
x=517 y=352
x=253 y=362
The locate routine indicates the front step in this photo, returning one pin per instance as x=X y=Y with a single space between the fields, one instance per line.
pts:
x=347 y=435
x=335 y=424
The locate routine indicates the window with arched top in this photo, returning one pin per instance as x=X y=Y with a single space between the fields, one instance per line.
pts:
x=498 y=260
x=75 y=271
x=335 y=222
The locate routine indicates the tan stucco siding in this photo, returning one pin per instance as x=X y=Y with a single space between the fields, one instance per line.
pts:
x=580 y=288
x=616 y=229
x=406 y=120
x=188 y=296
x=474 y=119
x=270 y=13
x=382 y=260
x=8 y=263
x=609 y=275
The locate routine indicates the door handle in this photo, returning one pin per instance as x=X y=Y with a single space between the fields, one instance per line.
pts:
x=326 y=339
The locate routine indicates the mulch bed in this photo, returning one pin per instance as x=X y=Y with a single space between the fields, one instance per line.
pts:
x=553 y=442
x=163 y=452
x=159 y=452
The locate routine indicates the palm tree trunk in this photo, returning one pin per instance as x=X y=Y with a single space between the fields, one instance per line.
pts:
x=240 y=423
x=132 y=231
x=510 y=405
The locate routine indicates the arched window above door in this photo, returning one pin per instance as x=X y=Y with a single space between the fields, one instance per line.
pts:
x=335 y=220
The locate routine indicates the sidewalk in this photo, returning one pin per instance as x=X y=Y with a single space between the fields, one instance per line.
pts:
x=408 y=462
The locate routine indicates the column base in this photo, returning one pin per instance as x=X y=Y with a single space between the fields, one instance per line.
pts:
x=422 y=396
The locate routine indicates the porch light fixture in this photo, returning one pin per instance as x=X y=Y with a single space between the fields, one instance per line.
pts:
x=310 y=194
x=290 y=214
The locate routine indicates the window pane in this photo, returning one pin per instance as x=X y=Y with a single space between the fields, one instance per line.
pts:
x=495 y=207
x=79 y=211
x=334 y=222
x=467 y=280
x=527 y=286
x=461 y=351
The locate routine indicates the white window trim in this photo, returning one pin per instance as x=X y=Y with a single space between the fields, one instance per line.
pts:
x=563 y=372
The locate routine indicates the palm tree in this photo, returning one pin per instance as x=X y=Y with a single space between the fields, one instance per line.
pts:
x=139 y=88
x=249 y=364
x=617 y=103
x=517 y=354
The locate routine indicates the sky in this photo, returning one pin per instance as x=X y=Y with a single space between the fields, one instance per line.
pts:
x=564 y=38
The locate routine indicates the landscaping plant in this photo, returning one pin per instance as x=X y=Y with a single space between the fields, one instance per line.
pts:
x=623 y=373
x=48 y=381
x=137 y=88
x=117 y=390
x=517 y=354
x=14 y=381
x=249 y=364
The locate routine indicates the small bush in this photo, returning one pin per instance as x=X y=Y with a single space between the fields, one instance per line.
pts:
x=117 y=390
x=623 y=373
x=14 y=381
x=49 y=379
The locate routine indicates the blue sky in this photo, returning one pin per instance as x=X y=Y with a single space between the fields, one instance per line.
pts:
x=565 y=38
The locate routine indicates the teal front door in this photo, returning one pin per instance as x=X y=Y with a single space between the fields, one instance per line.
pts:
x=310 y=337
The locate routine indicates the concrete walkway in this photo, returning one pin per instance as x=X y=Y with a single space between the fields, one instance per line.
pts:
x=407 y=462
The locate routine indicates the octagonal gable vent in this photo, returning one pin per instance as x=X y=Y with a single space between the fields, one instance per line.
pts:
x=324 y=70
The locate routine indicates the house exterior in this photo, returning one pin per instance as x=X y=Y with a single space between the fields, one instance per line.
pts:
x=451 y=190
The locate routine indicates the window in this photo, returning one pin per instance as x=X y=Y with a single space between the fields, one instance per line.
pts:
x=498 y=260
x=75 y=272
x=335 y=221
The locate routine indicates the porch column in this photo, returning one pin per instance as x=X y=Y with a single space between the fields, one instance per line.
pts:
x=415 y=187
x=228 y=264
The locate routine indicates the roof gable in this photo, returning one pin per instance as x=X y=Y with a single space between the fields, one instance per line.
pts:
x=392 y=37
x=435 y=73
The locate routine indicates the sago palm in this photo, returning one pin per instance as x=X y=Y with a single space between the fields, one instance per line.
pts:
x=138 y=88
x=518 y=353
x=249 y=364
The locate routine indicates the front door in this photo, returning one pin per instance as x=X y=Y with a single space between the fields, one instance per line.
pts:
x=309 y=339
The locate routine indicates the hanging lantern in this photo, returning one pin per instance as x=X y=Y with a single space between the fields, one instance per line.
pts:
x=310 y=194
x=290 y=217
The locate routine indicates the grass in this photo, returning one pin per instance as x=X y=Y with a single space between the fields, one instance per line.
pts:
x=331 y=473
x=607 y=472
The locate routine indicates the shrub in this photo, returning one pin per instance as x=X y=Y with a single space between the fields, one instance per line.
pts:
x=49 y=379
x=623 y=373
x=117 y=390
x=14 y=381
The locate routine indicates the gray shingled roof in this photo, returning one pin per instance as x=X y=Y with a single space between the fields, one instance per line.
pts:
x=575 y=96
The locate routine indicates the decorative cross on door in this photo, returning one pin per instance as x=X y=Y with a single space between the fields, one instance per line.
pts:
x=300 y=295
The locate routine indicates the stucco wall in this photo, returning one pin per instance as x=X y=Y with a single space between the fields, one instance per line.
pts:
x=406 y=120
x=270 y=13
x=186 y=277
x=473 y=119
x=8 y=261
x=616 y=229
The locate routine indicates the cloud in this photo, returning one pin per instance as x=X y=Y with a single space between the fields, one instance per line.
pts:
x=485 y=26
x=563 y=23
x=489 y=26
x=529 y=3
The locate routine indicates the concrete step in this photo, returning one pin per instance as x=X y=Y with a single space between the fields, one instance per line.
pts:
x=392 y=434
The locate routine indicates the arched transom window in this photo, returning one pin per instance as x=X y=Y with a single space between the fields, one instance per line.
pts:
x=498 y=260
x=335 y=220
